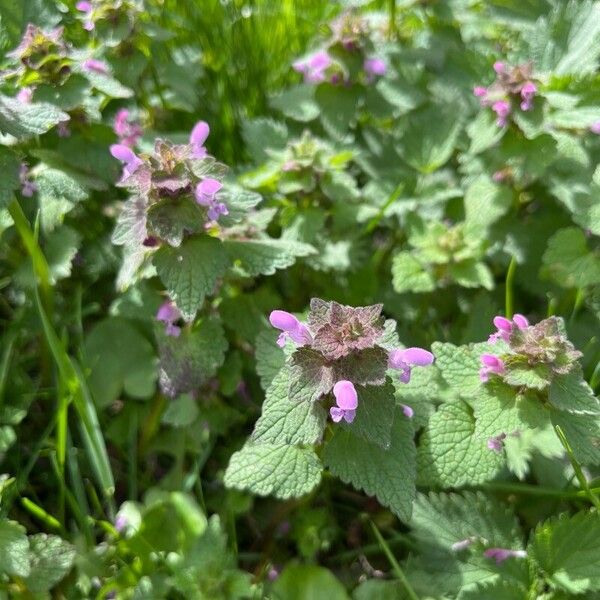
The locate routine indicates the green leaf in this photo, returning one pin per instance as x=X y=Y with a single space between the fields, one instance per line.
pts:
x=297 y=103
x=270 y=358
x=524 y=375
x=284 y=421
x=581 y=117
x=571 y=393
x=567 y=549
x=408 y=275
x=25 y=120
x=449 y=452
x=486 y=202
x=582 y=433
x=497 y=590
x=14 y=549
x=430 y=137
x=191 y=271
x=378 y=589
x=120 y=359
x=170 y=219
x=274 y=470
x=471 y=274
x=484 y=131
x=265 y=256
x=61 y=247
x=9 y=167
x=307 y=582
x=374 y=416
x=51 y=559
x=188 y=361
x=263 y=134
x=337 y=106
x=389 y=475
x=568 y=260
x=181 y=412
x=310 y=375
x=108 y=85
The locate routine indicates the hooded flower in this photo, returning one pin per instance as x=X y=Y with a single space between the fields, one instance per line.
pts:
x=168 y=313
x=290 y=327
x=346 y=399
x=314 y=66
x=206 y=192
x=25 y=95
x=501 y=554
x=528 y=92
x=127 y=156
x=496 y=443
x=94 y=65
x=490 y=365
x=595 y=127
x=128 y=131
x=505 y=327
x=374 y=67
x=28 y=188
x=86 y=8
x=405 y=360
x=198 y=136
x=502 y=110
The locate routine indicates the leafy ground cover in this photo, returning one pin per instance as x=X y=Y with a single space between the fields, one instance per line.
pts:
x=300 y=299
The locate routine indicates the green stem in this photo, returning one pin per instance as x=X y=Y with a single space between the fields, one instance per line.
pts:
x=392 y=18
x=577 y=468
x=40 y=514
x=395 y=566
x=508 y=298
x=579 y=298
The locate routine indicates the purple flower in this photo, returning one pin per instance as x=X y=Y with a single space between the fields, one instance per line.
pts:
x=168 y=313
x=63 y=130
x=272 y=574
x=86 y=8
x=95 y=66
x=496 y=443
x=501 y=554
x=128 y=132
x=404 y=360
x=491 y=365
x=25 y=95
x=314 y=66
x=499 y=176
x=407 y=411
x=28 y=188
x=502 y=110
x=346 y=399
x=595 y=127
x=505 y=326
x=527 y=94
x=198 y=137
x=206 y=192
x=290 y=327
x=127 y=156
x=374 y=67
x=499 y=67
x=480 y=91
x=121 y=523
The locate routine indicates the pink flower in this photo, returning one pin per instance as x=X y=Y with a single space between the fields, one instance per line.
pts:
x=499 y=67
x=407 y=411
x=502 y=110
x=198 y=136
x=86 y=8
x=290 y=327
x=463 y=544
x=95 y=66
x=28 y=188
x=129 y=132
x=374 y=67
x=346 y=399
x=404 y=360
x=501 y=554
x=314 y=66
x=595 y=127
x=206 y=192
x=505 y=326
x=128 y=157
x=168 y=313
x=25 y=95
x=491 y=365
x=480 y=91
x=527 y=94
x=496 y=443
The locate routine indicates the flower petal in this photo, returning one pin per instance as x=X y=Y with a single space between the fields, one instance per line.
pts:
x=280 y=319
x=345 y=395
x=199 y=133
x=418 y=357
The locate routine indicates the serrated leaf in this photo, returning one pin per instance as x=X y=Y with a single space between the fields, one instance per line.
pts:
x=262 y=135
x=582 y=433
x=14 y=549
x=61 y=247
x=265 y=256
x=571 y=393
x=449 y=452
x=471 y=273
x=533 y=377
x=51 y=559
x=284 y=421
x=308 y=582
x=189 y=360
x=130 y=229
x=191 y=271
x=388 y=475
x=108 y=85
x=297 y=103
x=337 y=106
x=310 y=375
x=567 y=549
x=170 y=220
x=409 y=275
x=486 y=202
x=23 y=120
x=181 y=412
x=274 y=470
x=270 y=358
x=9 y=167
x=239 y=202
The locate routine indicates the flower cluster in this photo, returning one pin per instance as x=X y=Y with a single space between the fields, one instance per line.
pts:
x=127 y=130
x=114 y=13
x=174 y=179
x=343 y=345
x=542 y=348
x=335 y=62
x=513 y=86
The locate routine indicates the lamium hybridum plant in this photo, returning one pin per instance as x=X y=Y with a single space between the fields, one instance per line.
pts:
x=345 y=363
